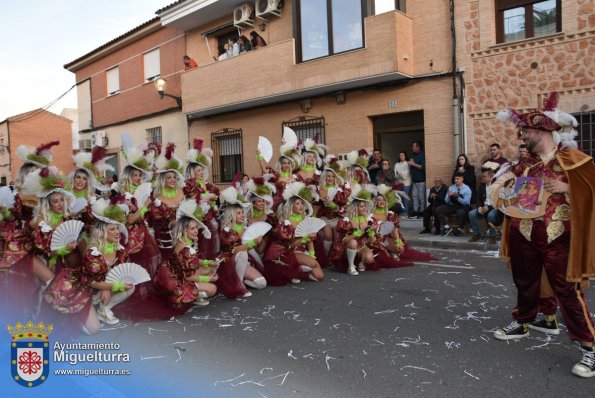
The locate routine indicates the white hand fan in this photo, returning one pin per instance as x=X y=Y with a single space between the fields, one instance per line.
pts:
x=66 y=233
x=266 y=148
x=6 y=198
x=142 y=193
x=78 y=205
x=387 y=228
x=331 y=193
x=127 y=141
x=128 y=273
x=310 y=225
x=289 y=136
x=255 y=230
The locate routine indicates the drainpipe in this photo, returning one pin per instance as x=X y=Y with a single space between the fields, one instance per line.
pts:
x=456 y=114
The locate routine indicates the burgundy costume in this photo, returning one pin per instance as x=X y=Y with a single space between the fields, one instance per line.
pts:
x=171 y=281
x=280 y=262
x=194 y=190
x=229 y=282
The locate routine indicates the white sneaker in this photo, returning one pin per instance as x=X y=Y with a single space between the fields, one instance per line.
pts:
x=295 y=280
x=352 y=271
x=361 y=268
x=586 y=367
x=106 y=315
x=202 y=302
x=247 y=294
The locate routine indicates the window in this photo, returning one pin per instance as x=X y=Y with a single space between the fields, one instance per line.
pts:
x=154 y=135
x=113 y=81
x=85 y=144
x=586 y=135
x=227 y=154
x=307 y=127
x=327 y=27
x=381 y=6
x=2 y=146
x=152 y=65
x=523 y=19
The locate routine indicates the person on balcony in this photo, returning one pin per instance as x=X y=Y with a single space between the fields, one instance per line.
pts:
x=257 y=41
x=189 y=63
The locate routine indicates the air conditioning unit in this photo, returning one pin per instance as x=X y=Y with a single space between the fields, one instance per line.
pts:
x=97 y=138
x=267 y=8
x=243 y=15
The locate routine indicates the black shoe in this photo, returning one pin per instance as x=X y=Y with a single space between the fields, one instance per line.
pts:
x=425 y=231
x=459 y=232
x=437 y=232
x=586 y=367
x=549 y=327
x=513 y=331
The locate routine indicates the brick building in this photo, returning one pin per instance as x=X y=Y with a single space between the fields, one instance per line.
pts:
x=31 y=129
x=116 y=92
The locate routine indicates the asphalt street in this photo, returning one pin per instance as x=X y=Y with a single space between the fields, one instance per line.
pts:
x=418 y=331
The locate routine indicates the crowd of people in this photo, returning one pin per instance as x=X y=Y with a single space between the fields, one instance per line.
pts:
x=165 y=216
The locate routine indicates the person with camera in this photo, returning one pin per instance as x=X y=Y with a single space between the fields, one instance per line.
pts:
x=458 y=199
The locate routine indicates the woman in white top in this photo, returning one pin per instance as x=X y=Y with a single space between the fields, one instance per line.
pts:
x=403 y=177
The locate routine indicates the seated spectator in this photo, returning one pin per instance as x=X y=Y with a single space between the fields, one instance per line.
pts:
x=436 y=198
x=256 y=41
x=245 y=45
x=484 y=206
x=386 y=174
x=457 y=201
x=463 y=166
x=496 y=154
x=189 y=63
x=523 y=152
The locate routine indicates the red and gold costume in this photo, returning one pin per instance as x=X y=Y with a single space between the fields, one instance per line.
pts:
x=229 y=282
x=171 y=281
x=280 y=262
x=196 y=189
x=162 y=219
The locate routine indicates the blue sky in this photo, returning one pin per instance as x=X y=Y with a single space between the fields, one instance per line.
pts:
x=40 y=36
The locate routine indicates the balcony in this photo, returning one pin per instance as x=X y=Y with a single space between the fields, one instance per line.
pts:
x=270 y=75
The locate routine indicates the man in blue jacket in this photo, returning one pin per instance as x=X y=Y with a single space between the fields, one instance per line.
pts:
x=458 y=199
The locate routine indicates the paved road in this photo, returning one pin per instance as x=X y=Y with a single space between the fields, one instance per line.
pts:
x=417 y=331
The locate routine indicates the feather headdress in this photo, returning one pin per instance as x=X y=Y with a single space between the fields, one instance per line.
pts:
x=46 y=181
x=94 y=164
x=168 y=161
x=231 y=196
x=198 y=154
x=40 y=156
x=191 y=209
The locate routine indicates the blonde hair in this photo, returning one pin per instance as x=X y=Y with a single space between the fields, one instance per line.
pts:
x=126 y=178
x=352 y=208
x=90 y=189
x=228 y=218
x=179 y=231
x=42 y=209
x=98 y=236
x=189 y=173
x=159 y=187
x=284 y=211
x=22 y=173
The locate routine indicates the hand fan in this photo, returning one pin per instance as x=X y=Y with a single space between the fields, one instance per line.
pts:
x=6 y=198
x=127 y=141
x=255 y=230
x=66 y=233
x=78 y=205
x=289 y=137
x=142 y=193
x=266 y=148
x=387 y=228
x=331 y=193
x=128 y=273
x=310 y=225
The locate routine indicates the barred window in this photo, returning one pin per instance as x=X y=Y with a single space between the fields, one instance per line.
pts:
x=227 y=154
x=154 y=135
x=307 y=127
x=585 y=132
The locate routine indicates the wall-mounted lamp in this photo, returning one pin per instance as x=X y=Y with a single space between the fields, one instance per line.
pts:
x=306 y=105
x=341 y=97
x=262 y=27
x=160 y=85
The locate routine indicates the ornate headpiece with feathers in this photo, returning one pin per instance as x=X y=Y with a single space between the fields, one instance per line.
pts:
x=45 y=181
x=168 y=161
x=196 y=211
x=261 y=187
x=198 y=154
x=94 y=164
x=40 y=156
x=230 y=196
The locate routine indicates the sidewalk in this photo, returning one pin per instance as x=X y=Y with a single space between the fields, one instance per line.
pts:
x=410 y=228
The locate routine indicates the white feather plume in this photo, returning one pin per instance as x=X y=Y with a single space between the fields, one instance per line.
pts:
x=23 y=151
x=99 y=206
x=504 y=115
x=191 y=155
x=352 y=157
x=229 y=196
x=293 y=189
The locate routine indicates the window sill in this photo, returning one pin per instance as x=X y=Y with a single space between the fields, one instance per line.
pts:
x=529 y=40
x=114 y=93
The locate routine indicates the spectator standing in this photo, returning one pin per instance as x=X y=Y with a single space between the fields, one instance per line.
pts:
x=457 y=201
x=436 y=198
x=245 y=45
x=189 y=63
x=386 y=174
x=256 y=41
x=496 y=154
x=403 y=176
x=417 y=166
x=374 y=164
x=463 y=166
x=485 y=208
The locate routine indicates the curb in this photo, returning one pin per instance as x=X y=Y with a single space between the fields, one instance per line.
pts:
x=445 y=244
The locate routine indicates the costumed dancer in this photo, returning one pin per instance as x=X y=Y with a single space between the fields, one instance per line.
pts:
x=197 y=187
x=354 y=232
x=385 y=199
x=17 y=261
x=260 y=195
x=358 y=167
x=289 y=259
x=141 y=246
x=187 y=278
x=311 y=162
x=287 y=163
x=75 y=289
x=167 y=195
x=332 y=206
x=561 y=240
x=235 y=271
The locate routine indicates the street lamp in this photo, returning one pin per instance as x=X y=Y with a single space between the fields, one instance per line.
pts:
x=160 y=86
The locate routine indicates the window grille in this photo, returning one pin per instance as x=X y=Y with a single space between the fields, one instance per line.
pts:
x=585 y=132
x=154 y=135
x=307 y=127
x=227 y=154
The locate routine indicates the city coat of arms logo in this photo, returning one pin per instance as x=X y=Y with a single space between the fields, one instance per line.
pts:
x=30 y=353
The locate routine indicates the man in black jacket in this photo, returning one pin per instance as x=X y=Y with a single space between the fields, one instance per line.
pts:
x=436 y=199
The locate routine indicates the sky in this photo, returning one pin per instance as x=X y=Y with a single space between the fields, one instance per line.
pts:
x=40 y=36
